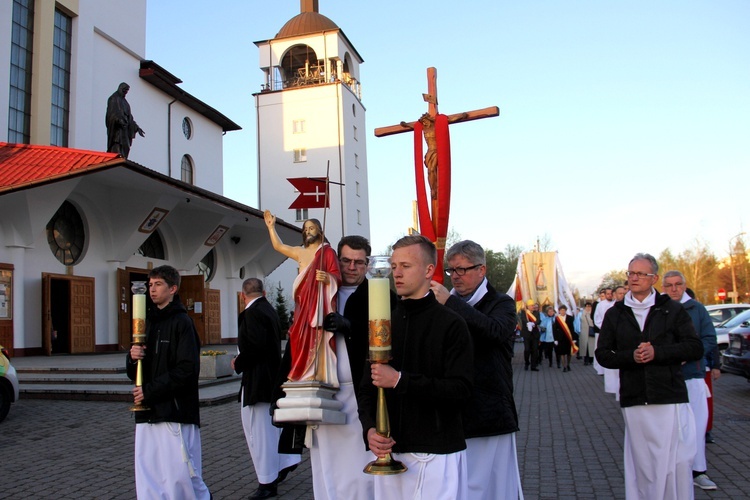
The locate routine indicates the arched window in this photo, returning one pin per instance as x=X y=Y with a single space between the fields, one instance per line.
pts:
x=66 y=235
x=207 y=265
x=153 y=247
x=187 y=169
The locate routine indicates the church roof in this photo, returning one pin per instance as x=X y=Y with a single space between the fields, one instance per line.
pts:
x=23 y=165
x=306 y=23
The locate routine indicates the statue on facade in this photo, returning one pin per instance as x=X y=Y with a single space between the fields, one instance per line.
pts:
x=121 y=127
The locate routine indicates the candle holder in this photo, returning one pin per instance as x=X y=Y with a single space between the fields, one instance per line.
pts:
x=379 y=269
x=139 y=333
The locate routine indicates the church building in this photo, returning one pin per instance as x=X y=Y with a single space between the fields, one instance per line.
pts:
x=79 y=224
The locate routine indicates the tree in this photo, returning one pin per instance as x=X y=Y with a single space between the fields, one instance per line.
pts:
x=698 y=265
x=280 y=304
x=612 y=279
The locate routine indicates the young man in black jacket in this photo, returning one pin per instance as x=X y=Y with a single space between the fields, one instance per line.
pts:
x=167 y=436
x=428 y=383
x=647 y=336
x=490 y=420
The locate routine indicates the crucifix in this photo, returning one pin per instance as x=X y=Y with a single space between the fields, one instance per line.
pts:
x=433 y=128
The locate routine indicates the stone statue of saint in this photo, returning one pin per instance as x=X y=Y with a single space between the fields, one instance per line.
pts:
x=121 y=127
x=314 y=291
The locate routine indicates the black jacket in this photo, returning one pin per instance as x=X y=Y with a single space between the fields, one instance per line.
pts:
x=357 y=338
x=432 y=350
x=171 y=366
x=491 y=322
x=670 y=330
x=258 y=334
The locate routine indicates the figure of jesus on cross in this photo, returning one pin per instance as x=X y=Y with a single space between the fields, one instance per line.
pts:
x=433 y=128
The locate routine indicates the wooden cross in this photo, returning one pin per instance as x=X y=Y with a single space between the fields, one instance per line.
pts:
x=430 y=159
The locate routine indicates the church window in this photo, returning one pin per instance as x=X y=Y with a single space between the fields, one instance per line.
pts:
x=356 y=184
x=355 y=133
x=207 y=265
x=187 y=169
x=22 y=36
x=359 y=217
x=61 y=51
x=153 y=247
x=187 y=128
x=356 y=160
x=300 y=214
x=298 y=126
x=66 y=235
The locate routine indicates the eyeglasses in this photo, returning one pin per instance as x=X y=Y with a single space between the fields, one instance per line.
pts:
x=460 y=270
x=358 y=262
x=673 y=285
x=631 y=274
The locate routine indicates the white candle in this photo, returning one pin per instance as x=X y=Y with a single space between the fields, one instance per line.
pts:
x=380 y=299
x=139 y=306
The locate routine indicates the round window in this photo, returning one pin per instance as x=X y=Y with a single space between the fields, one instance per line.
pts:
x=66 y=235
x=187 y=128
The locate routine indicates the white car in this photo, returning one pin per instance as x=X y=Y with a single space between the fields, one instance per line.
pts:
x=722 y=329
x=8 y=384
x=721 y=312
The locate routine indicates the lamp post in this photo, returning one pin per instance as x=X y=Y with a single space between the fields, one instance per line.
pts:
x=731 y=264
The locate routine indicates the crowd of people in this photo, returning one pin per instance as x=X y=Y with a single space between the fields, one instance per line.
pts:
x=448 y=385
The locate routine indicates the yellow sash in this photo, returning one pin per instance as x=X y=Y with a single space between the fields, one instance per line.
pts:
x=564 y=325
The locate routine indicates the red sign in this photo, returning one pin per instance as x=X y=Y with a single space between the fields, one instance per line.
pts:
x=313 y=192
x=722 y=294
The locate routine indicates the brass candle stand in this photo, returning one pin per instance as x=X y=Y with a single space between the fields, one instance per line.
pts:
x=139 y=333
x=380 y=352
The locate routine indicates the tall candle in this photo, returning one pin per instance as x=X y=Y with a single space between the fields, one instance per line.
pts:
x=380 y=319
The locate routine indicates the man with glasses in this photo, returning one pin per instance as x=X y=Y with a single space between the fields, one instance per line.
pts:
x=694 y=372
x=490 y=420
x=648 y=336
x=337 y=454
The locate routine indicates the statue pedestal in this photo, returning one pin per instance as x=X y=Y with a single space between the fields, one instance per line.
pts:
x=309 y=403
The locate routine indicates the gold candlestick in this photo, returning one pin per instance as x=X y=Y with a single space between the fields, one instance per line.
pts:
x=139 y=333
x=380 y=352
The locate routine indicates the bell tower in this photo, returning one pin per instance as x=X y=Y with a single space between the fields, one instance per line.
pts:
x=310 y=115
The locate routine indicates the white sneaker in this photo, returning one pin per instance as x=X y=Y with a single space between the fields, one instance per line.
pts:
x=703 y=482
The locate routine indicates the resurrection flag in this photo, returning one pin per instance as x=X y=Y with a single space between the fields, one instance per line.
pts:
x=313 y=192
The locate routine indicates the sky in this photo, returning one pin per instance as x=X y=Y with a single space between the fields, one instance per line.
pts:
x=624 y=127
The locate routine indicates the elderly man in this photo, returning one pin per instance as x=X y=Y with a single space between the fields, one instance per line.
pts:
x=648 y=336
x=694 y=373
x=259 y=344
x=490 y=420
x=427 y=385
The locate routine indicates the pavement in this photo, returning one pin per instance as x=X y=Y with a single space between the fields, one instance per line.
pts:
x=569 y=445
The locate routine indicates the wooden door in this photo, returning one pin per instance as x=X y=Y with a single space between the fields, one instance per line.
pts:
x=46 y=315
x=82 y=318
x=6 y=312
x=213 y=316
x=192 y=294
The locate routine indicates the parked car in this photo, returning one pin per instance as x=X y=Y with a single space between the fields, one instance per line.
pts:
x=721 y=312
x=722 y=329
x=8 y=383
x=736 y=358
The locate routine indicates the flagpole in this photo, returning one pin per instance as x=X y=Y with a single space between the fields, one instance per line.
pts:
x=318 y=330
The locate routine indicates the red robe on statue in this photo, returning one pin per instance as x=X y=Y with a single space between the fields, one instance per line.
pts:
x=310 y=359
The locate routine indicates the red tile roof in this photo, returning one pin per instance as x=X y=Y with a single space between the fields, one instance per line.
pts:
x=28 y=164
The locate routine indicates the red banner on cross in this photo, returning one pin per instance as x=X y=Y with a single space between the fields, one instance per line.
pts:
x=313 y=192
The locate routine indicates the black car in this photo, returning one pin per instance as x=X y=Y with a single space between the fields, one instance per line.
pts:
x=736 y=358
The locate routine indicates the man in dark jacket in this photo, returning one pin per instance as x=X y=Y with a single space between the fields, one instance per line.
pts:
x=427 y=384
x=259 y=334
x=167 y=435
x=490 y=420
x=694 y=373
x=528 y=321
x=648 y=336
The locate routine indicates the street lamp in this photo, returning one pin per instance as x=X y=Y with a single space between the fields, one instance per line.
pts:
x=731 y=264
